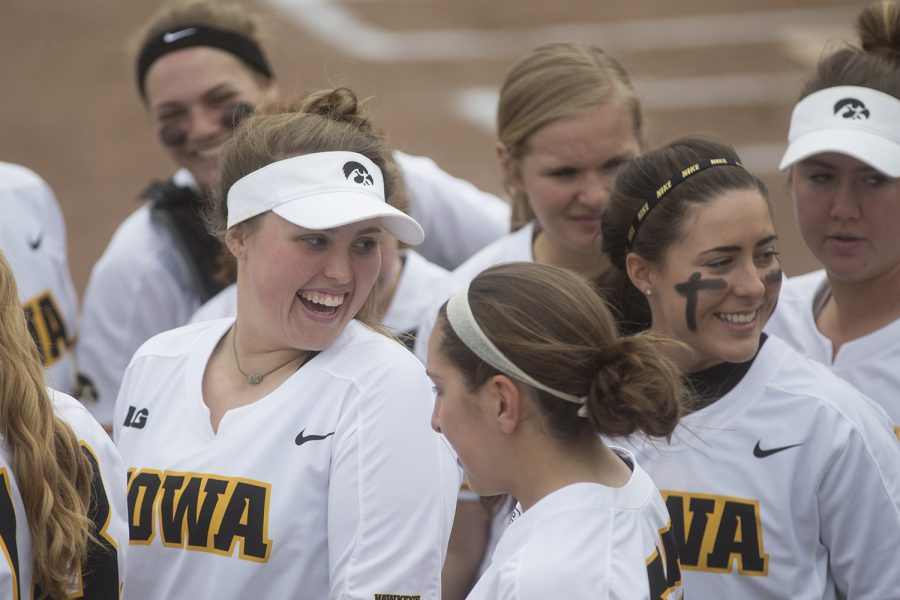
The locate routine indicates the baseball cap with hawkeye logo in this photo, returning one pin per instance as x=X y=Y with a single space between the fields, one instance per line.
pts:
x=319 y=191
x=856 y=121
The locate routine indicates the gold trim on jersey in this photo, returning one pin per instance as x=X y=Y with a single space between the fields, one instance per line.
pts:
x=13 y=565
x=47 y=327
x=200 y=512
x=715 y=532
x=664 y=569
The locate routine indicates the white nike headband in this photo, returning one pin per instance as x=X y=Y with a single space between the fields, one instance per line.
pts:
x=856 y=121
x=319 y=191
x=462 y=321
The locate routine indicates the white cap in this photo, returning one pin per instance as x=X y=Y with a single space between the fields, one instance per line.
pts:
x=319 y=191
x=856 y=121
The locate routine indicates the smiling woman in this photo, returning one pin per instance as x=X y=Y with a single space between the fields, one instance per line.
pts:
x=690 y=236
x=298 y=401
x=200 y=69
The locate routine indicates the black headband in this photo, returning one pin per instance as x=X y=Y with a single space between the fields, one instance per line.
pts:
x=200 y=35
x=667 y=187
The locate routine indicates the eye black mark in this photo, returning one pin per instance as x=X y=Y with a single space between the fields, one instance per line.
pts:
x=690 y=289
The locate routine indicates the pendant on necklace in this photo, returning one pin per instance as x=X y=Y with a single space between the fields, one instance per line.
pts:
x=254 y=378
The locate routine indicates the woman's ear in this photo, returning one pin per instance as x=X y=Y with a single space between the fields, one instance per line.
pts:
x=509 y=167
x=234 y=240
x=507 y=403
x=640 y=272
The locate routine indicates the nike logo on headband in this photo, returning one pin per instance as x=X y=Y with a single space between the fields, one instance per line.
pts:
x=177 y=35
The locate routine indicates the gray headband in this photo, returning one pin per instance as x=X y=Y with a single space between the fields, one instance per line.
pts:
x=464 y=325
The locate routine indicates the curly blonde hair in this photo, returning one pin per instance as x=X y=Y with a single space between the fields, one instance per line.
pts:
x=51 y=471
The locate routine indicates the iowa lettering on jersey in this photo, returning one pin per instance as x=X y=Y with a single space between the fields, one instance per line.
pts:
x=47 y=327
x=100 y=579
x=200 y=512
x=715 y=533
x=664 y=569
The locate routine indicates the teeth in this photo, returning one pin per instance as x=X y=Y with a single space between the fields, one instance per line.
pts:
x=737 y=318
x=209 y=153
x=322 y=298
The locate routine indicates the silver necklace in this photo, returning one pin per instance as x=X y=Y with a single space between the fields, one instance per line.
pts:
x=252 y=378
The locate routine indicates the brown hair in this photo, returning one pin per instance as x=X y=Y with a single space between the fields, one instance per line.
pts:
x=324 y=121
x=874 y=64
x=638 y=182
x=553 y=82
x=554 y=326
x=51 y=471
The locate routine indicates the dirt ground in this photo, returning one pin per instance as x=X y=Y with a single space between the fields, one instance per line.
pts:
x=731 y=70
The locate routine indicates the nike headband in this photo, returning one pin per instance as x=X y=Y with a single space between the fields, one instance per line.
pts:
x=200 y=35
x=464 y=325
x=319 y=191
x=667 y=187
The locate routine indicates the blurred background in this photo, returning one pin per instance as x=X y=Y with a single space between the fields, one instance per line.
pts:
x=69 y=109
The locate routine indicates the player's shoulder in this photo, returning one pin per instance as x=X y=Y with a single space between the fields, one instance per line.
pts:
x=14 y=176
x=424 y=271
x=818 y=390
x=79 y=419
x=512 y=247
x=412 y=164
x=140 y=251
x=182 y=340
x=360 y=353
x=802 y=287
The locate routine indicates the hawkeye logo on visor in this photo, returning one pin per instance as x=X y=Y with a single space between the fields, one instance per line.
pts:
x=851 y=108
x=357 y=173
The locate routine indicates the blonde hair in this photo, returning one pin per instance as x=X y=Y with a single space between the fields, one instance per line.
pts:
x=51 y=471
x=553 y=325
x=324 y=121
x=554 y=82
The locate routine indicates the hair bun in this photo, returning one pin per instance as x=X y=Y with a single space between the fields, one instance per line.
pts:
x=635 y=388
x=338 y=104
x=878 y=27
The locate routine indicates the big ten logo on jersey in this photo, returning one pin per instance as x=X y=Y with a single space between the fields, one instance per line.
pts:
x=664 y=568
x=136 y=417
x=47 y=327
x=713 y=533
x=100 y=578
x=201 y=512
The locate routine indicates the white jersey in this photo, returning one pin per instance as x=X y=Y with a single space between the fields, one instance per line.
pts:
x=142 y=285
x=103 y=576
x=788 y=486
x=871 y=362
x=513 y=247
x=33 y=239
x=587 y=541
x=411 y=300
x=458 y=218
x=332 y=486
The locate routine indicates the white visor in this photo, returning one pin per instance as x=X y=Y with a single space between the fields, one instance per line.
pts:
x=319 y=191
x=856 y=121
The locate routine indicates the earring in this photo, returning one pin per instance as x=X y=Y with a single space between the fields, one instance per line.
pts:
x=648 y=292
